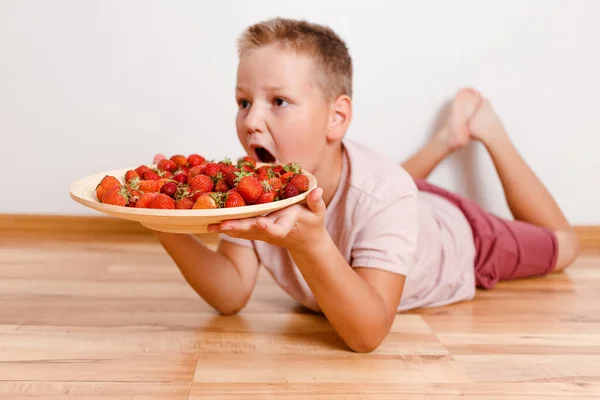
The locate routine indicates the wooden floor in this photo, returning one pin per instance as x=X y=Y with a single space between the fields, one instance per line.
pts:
x=114 y=319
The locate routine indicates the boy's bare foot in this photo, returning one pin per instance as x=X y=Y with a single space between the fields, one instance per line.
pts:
x=485 y=124
x=456 y=133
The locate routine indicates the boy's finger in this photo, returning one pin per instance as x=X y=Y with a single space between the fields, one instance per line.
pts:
x=315 y=201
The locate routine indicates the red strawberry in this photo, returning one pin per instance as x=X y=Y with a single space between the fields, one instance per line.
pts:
x=292 y=167
x=267 y=197
x=196 y=195
x=162 y=201
x=290 y=191
x=278 y=169
x=250 y=189
x=211 y=170
x=207 y=201
x=151 y=175
x=107 y=183
x=149 y=186
x=141 y=169
x=169 y=188
x=234 y=199
x=197 y=170
x=201 y=183
x=115 y=197
x=184 y=204
x=221 y=185
x=134 y=196
x=275 y=183
x=145 y=199
x=225 y=165
x=182 y=170
x=195 y=159
x=180 y=178
x=131 y=174
x=286 y=177
x=180 y=160
x=250 y=161
x=166 y=165
x=231 y=176
x=300 y=181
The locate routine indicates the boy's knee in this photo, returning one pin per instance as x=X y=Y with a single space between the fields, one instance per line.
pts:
x=568 y=249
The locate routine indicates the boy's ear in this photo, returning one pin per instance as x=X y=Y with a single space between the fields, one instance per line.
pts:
x=339 y=117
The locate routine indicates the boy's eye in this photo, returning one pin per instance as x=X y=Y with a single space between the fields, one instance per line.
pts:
x=243 y=104
x=279 y=102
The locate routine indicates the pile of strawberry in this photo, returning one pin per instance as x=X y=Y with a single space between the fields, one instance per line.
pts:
x=195 y=183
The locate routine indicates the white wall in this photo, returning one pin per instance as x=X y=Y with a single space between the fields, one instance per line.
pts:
x=87 y=86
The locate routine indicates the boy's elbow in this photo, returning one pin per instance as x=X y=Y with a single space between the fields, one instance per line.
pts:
x=365 y=342
x=364 y=346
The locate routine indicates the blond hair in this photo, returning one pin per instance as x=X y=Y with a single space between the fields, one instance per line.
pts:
x=331 y=56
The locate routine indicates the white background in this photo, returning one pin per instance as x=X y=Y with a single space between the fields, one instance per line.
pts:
x=87 y=86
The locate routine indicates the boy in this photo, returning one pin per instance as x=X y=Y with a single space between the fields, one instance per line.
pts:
x=373 y=233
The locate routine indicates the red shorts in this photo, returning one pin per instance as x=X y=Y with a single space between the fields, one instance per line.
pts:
x=505 y=249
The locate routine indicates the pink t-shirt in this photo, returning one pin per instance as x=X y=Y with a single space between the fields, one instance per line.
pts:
x=379 y=219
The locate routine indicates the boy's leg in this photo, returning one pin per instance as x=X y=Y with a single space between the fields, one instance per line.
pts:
x=454 y=135
x=527 y=198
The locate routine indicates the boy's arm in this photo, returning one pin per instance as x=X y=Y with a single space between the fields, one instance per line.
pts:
x=360 y=303
x=224 y=278
x=360 y=300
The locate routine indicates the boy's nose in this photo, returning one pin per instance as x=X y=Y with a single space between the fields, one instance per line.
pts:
x=255 y=121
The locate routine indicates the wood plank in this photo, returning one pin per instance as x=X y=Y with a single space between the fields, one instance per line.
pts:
x=18 y=390
x=334 y=368
x=392 y=391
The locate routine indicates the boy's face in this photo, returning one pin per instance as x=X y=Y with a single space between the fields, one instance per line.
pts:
x=283 y=114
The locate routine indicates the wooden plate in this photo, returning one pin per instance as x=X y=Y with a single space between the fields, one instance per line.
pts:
x=175 y=221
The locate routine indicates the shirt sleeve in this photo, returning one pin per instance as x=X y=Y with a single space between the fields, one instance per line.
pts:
x=388 y=238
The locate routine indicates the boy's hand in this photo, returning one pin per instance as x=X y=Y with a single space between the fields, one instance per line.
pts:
x=296 y=227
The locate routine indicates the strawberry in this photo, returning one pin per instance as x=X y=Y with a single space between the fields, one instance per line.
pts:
x=231 y=176
x=275 y=183
x=162 y=201
x=234 y=199
x=201 y=183
x=180 y=178
x=166 y=165
x=134 y=196
x=196 y=195
x=197 y=170
x=300 y=181
x=278 y=169
x=221 y=185
x=182 y=170
x=131 y=174
x=286 y=177
x=107 y=183
x=195 y=159
x=250 y=161
x=208 y=201
x=225 y=165
x=180 y=160
x=151 y=175
x=211 y=170
x=290 y=191
x=150 y=186
x=145 y=199
x=250 y=189
x=184 y=203
x=141 y=169
x=267 y=197
x=169 y=188
x=115 y=197
x=292 y=167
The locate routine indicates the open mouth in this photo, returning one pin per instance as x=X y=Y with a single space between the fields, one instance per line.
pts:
x=264 y=155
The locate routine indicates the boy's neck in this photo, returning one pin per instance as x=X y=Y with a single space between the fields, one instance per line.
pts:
x=329 y=172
